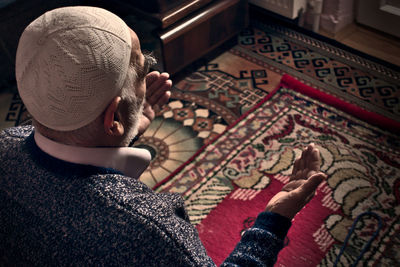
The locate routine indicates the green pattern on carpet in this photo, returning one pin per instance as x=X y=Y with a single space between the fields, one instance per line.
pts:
x=229 y=182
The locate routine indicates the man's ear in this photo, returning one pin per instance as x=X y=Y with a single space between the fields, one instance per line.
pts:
x=112 y=124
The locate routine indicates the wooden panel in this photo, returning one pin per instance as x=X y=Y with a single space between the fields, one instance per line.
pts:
x=202 y=32
x=163 y=15
x=181 y=11
x=369 y=41
x=370 y=13
x=157 y=6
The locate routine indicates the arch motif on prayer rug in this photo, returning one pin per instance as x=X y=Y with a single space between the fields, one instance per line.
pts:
x=230 y=181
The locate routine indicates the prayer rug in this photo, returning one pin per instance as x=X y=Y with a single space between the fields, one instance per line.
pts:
x=227 y=183
x=211 y=97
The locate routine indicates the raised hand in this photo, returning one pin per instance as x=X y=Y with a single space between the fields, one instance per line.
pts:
x=308 y=163
x=158 y=92
x=301 y=188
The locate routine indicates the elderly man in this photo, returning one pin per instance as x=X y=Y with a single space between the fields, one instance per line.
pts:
x=69 y=192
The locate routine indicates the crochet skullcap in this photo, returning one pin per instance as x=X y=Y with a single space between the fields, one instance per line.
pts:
x=70 y=63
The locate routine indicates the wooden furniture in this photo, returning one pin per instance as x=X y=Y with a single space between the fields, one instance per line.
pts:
x=201 y=32
x=187 y=29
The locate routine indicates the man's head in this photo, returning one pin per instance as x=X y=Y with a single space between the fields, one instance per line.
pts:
x=80 y=70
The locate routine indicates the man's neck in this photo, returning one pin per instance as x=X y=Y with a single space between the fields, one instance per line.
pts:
x=130 y=161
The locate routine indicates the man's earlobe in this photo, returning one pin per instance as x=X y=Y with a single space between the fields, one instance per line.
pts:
x=112 y=124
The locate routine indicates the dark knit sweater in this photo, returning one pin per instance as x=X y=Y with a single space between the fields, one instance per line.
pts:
x=55 y=213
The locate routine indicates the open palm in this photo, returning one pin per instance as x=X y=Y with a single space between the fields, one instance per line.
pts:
x=305 y=178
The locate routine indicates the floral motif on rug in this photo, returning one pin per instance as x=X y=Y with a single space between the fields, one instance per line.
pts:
x=202 y=106
x=229 y=182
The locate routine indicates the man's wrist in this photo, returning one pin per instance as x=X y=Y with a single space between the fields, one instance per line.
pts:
x=273 y=222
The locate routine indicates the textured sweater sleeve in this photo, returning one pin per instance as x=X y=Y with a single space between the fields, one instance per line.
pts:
x=260 y=245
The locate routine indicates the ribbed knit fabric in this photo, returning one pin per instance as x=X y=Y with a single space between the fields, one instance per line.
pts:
x=260 y=245
x=55 y=213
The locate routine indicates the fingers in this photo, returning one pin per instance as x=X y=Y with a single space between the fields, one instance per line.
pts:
x=307 y=164
x=161 y=95
x=162 y=101
x=294 y=196
x=308 y=156
x=154 y=79
x=158 y=88
x=303 y=157
x=151 y=78
x=314 y=160
x=293 y=185
x=296 y=168
x=301 y=163
x=306 y=191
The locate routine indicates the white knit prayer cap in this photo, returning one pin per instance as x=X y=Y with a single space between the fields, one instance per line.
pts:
x=70 y=63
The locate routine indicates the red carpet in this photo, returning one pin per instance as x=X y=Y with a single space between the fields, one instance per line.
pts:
x=227 y=183
x=373 y=118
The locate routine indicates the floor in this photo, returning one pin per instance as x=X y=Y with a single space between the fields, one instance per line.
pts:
x=369 y=41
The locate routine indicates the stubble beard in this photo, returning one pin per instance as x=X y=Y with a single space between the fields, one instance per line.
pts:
x=134 y=117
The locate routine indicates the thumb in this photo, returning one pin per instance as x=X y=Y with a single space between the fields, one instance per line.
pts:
x=311 y=184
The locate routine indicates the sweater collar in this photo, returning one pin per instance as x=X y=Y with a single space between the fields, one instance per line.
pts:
x=128 y=160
